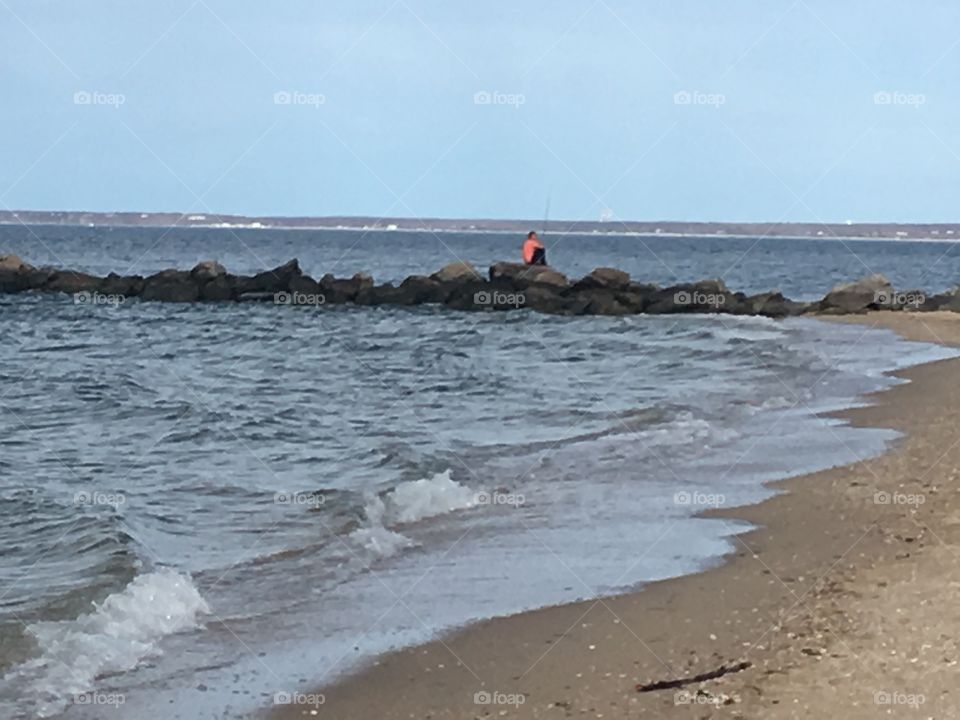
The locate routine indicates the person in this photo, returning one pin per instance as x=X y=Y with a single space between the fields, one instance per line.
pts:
x=533 y=250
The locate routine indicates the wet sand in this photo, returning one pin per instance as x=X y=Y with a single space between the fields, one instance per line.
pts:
x=841 y=602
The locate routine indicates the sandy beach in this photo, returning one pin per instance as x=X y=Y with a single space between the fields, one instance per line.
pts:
x=834 y=607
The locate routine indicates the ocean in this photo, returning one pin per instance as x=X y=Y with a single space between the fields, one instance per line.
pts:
x=204 y=507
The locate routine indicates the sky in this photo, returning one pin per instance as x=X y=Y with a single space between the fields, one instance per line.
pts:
x=744 y=110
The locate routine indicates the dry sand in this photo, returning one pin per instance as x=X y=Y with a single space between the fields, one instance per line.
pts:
x=842 y=602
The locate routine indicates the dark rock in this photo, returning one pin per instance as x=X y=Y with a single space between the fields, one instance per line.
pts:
x=479 y=295
x=418 y=289
x=598 y=302
x=385 y=294
x=218 y=289
x=548 y=299
x=26 y=277
x=942 y=301
x=338 y=290
x=125 y=285
x=260 y=297
x=305 y=285
x=909 y=300
x=272 y=281
x=857 y=296
x=412 y=291
x=171 y=286
x=70 y=282
x=522 y=276
x=603 y=277
x=13 y=281
x=457 y=272
x=773 y=304
x=705 y=296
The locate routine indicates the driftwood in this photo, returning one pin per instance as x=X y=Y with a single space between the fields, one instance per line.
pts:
x=712 y=674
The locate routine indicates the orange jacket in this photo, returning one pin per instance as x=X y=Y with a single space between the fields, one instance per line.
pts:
x=529 y=245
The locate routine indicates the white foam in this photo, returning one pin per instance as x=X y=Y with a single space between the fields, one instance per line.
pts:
x=409 y=502
x=426 y=498
x=374 y=536
x=120 y=632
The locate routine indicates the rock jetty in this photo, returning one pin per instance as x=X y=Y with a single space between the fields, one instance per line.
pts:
x=460 y=286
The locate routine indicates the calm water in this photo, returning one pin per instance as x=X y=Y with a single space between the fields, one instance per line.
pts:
x=802 y=269
x=202 y=506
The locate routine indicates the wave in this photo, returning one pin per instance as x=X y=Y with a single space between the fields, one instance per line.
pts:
x=408 y=502
x=121 y=631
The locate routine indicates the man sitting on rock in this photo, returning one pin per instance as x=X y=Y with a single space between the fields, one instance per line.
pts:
x=533 y=250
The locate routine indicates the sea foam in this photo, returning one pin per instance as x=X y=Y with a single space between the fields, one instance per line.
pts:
x=408 y=502
x=120 y=632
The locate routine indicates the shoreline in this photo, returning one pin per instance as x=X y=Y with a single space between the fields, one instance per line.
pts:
x=815 y=599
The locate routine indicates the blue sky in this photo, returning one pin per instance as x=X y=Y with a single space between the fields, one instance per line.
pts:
x=678 y=109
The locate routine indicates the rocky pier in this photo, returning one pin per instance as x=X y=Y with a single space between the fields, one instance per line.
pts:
x=460 y=286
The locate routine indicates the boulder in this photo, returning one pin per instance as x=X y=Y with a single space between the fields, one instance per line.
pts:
x=217 y=289
x=208 y=270
x=418 y=289
x=704 y=296
x=410 y=292
x=521 y=276
x=272 y=281
x=856 y=296
x=127 y=286
x=10 y=263
x=16 y=278
x=14 y=281
x=457 y=272
x=339 y=290
x=604 y=277
x=71 y=282
x=598 y=302
x=944 y=301
x=909 y=300
x=548 y=299
x=171 y=286
x=481 y=295
x=305 y=285
x=773 y=304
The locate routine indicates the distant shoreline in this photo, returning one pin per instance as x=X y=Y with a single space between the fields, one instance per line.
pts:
x=947 y=232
